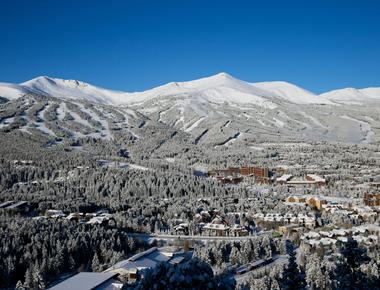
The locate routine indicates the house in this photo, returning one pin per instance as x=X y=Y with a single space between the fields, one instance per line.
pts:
x=90 y=281
x=54 y=213
x=215 y=229
x=316 y=202
x=284 y=179
x=238 y=231
x=295 y=199
x=75 y=216
x=289 y=229
x=182 y=228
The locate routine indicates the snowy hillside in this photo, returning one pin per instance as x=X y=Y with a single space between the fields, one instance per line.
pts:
x=353 y=96
x=291 y=93
x=220 y=88
x=219 y=111
x=12 y=91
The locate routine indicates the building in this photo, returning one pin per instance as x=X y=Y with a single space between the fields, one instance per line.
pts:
x=284 y=179
x=311 y=179
x=90 y=281
x=316 y=202
x=371 y=199
x=316 y=179
x=289 y=229
x=135 y=267
x=296 y=199
x=261 y=174
x=213 y=229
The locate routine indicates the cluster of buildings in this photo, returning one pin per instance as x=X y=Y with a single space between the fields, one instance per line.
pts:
x=262 y=175
x=366 y=234
x=99 y=217
x=126 y=271
x=309 y=180
x=300 y=219
x=310 y=200
x=347 y=209
x=217 y=227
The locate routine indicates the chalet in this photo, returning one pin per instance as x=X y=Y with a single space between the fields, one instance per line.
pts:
x=216 y=229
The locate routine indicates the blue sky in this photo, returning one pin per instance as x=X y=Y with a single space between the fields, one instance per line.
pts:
x=136 y=45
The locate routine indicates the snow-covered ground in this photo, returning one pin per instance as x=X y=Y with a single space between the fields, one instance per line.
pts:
x=6 y=122
x=41 y=125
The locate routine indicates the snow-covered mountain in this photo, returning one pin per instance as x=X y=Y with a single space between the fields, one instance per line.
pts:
x=220 y=88
x=353 y=96
x=291 y=93
x=222 y=110
x=65 y=89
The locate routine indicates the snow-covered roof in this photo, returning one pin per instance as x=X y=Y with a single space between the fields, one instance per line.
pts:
x=316 y=178
x=284 y=178
x=216 y=226
x=143 y=260
x=84 y=281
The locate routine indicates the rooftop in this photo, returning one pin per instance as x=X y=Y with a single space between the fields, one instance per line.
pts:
x=84 y=281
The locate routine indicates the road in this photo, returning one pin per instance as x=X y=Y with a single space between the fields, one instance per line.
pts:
x=193 y=237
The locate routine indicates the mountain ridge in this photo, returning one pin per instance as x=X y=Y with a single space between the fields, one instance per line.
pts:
x=220 y=88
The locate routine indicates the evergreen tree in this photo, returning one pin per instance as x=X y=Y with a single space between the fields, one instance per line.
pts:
x=291 y=277
x=28 y=282
x=348 y=274
x=19 y=285
x=95 y=265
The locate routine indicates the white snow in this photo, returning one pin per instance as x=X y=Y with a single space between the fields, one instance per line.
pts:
x=365 y=128
x=291 y=93
x=220 y=88
x=278 y=123
x=6 y=122
x=194 y=125
x=12 y=91
x=231 y=140
x=79 y=119
x=105 y=132
x=352 y=96
x=41 y=125
x=61 y=111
